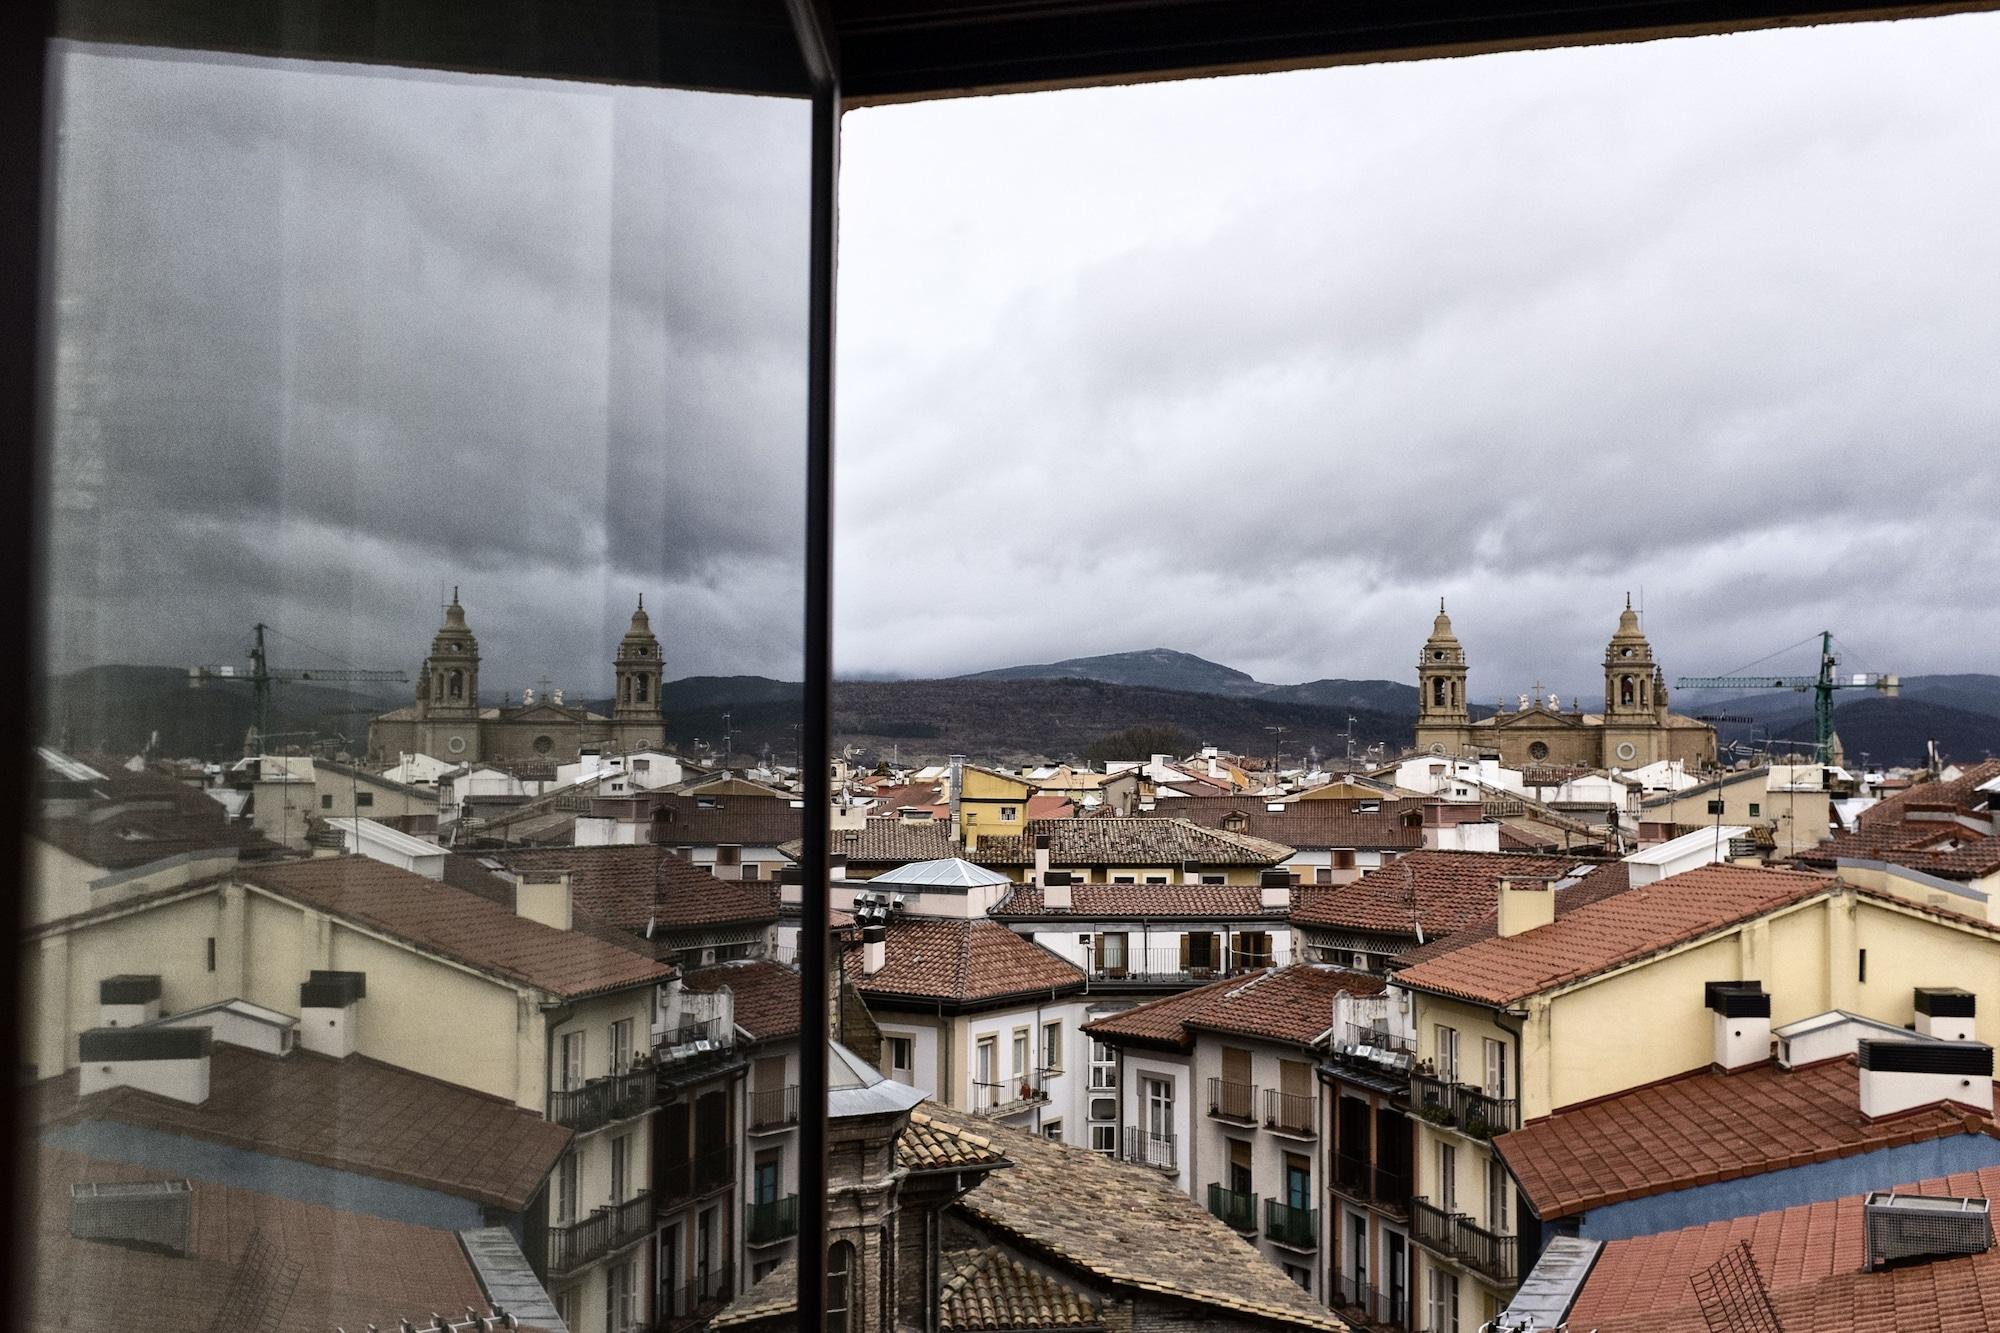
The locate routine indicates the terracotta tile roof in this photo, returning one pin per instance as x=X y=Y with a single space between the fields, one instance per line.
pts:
x=750 y=821
x=1442 y=891
x=1114 y=841
x=1309 y=824
x=930 y=1144
x=1129 y=1228
x=1602 y=881
x=354 y=1115
x=355 y=1269
x=942 y=958
x=145 y=819
x=631 y=886
x=985 y=1291
x=1709 y=1126
x=1051 y=807
x=1617 y=930
x=1292 y=1004
x=773 y=1297
x=1960 y=792
x=1948 y=851
x=889 y=841
x=1810 y=1258
x=458 y=925
x=1133 y=902
x=766 y=993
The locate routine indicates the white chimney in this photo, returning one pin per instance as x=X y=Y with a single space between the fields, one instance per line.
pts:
x=836 y=865
x=791 y=887
x=1041 y=858
x=328 y=1012
x=1525 y=904
x=1945 y=1012
x=1741 y=1023
x=167 y=1062
x=874 y=949
x=1055 y=891
x=1903 y=1075
x=1190 y=872
x=543 y=897
x=127 y=1001
x=1275 y=890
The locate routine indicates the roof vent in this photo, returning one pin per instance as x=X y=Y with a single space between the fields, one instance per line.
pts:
x=1741 y=1022
x=165 y=1061
x=1056 y=891
x=1274 y=890
x=148 y=1214
x=328 y=1024
x=1915 y=1226
x=127 y=1001
x=1946 y=1012
x=1903 y=1075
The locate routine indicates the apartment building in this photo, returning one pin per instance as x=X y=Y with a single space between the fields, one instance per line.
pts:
x=1217 y=1093
x=1786 y=806
x=1107 y=849
x=1419 y=898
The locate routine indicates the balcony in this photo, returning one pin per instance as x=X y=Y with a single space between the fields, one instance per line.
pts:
x=1361 y=1303
x=603 y=1101
x=1460 y=1106
x=1293 y=1228
x=608 y=1228
x=695 y=1050
x=692 y=1304
x=772 y=1221
x=1144 y=1149
x=1455 y=1234
x=1019 y=1094
x=1236 y=1208
x=1291 y=1113
x=1357 y=1177
x=692 y=1177
x=773 y=1109
x=1232 y=1101
x=1142 y=967
x=1431 y=1224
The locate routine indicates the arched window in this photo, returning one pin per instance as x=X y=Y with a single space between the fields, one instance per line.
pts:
x=839 y=1275
x=1625 y=691
x=455 y=685
x=1437 y=691
x=642 y=689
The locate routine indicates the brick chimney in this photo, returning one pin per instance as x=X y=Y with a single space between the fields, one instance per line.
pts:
x=1902 y=1075
x=1741 y=1023
x=1524 y=905
x=127 y=1001
x=328 y=1012
x=167 y=1062
x=1945 y=1012
x=1055 y=890
x=544 y=897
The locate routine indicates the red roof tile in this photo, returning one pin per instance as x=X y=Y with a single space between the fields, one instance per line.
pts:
x=1810 y=1259
x=1133 y=902
x=354 y=1115
x=1618 y=930
x=637 y=885
x=766 y=995
x=1441 y=891
x=1600 y=882
x=458 y=925
x=1292 y=1005
x=1314 y=824
x=1683 y=1132
x=942 y=958
x=1113 y=841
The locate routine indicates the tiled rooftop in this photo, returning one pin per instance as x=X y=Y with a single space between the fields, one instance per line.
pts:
x=766 y=995
x=1135 y=902
x=985 y=1291
x=1113 y=841
x=1441 y=891
x=887 y=840
x=354 y=1115
x=930 y=1144
x=355 y=1270
x=1292 y=1004
x=1619 y=929
x=634 y=885
x=1308 y=824
x=1709 y=1126
x=1600 y=882
x=944 y=958
x=1810 y=1258
x=459 y=925
x=1128 y=1227
x=143 y=818
x=749 y=821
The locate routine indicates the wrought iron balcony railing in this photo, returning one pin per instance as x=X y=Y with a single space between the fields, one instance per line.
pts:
x=610 y=1227
x=1145 y=1149
x=603 y=1101
x=1166 y=967
x=769 y=1222
x=1460 y=1106
x=1015 y=1095
x=1291 y=1113
x=691 y=1177
x=1232 y=1101
x=694 y=1047
x=774 y=1108
x=1352 y=1295
x=1488 y=1251
x=1295 y=1228
x=1235 y=1207
x=688 y=1304
x=1432 y=1224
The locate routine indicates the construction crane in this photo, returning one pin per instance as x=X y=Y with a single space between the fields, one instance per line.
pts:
x=262 y=675
x=1822 y=686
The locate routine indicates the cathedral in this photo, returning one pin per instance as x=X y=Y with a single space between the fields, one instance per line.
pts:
x=1634 y=730
x=447 y=722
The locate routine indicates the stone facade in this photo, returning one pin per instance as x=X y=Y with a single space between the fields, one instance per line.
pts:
x=1634 y=729
x=447 y=721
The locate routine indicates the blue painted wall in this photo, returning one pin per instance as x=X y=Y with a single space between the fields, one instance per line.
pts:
x=1837 y=1179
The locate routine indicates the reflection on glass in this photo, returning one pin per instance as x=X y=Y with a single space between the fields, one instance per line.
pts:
x=421 y=735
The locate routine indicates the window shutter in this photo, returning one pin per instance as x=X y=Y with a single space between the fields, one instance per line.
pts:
x=1187 y=951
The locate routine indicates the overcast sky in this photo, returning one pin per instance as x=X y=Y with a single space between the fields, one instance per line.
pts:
x=1256 y=368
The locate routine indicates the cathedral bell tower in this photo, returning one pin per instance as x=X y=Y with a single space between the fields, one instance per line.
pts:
x=637 y=670
x=452 y=671
x=1441 y=710
x=1633 y=706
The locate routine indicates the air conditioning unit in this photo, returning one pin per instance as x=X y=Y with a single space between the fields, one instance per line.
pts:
x=1915 y=1226
x=153 y=1214
x=1103 y=1108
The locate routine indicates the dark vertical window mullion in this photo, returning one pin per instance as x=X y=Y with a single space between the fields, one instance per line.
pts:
x=815 y=920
